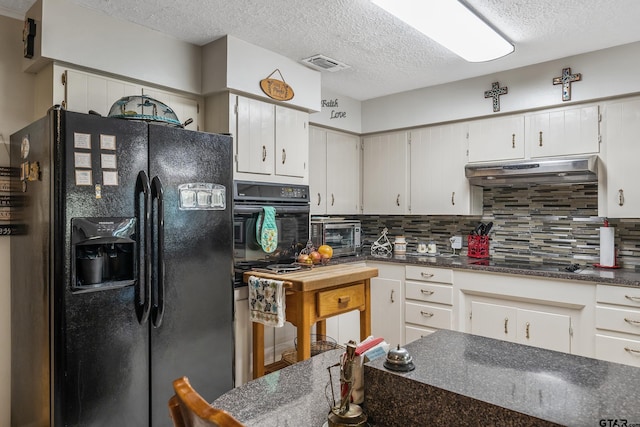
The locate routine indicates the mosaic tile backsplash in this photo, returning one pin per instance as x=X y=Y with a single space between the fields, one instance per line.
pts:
x=553 y=224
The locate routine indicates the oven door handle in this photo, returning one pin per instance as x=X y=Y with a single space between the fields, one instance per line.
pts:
x=250 y=209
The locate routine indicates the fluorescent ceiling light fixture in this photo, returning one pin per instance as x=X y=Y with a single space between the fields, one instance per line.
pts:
x=451 y=24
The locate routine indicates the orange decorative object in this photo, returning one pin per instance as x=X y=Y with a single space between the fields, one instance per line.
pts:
x=276 y=89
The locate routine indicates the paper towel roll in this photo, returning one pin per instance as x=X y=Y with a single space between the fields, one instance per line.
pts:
x=607 y=247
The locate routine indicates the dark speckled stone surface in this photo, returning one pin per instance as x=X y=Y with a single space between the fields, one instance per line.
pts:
x=463 y=379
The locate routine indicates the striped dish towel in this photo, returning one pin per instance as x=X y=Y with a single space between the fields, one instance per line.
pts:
x=266 y=301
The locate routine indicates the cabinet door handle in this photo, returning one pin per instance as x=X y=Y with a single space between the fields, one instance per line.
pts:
x=398 y=200
x=506 y=322
x=540 y=139
x=333 y=199
x=620 y=197
x=391 y=296
x=631 y=350
x=284 y=156
x=319 y=199
x=426 y=314
x=632 y=322
x=344 y=300
x=513 y=140
x=527 y=330
x=426 y=292
x=426 y=275
x=264 y=153
x=453 y=198
x=632 y=298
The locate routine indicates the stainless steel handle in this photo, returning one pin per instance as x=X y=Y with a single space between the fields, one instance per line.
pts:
x=333 y=199
x=157 y=255
x=426 y=292
x=631 y=350
x=426 y=275
x=513 y=140
x=527 y=330
x=620 y=197
x=506 y=322
x=426 y=314
x=319 y=199
x=264 y=153
x=540 y=139
x=284 y=156
x=398 y=200
x=143 y=227
x=632 y=298
x=391 y=296
x=453 y=198
x=632 y=322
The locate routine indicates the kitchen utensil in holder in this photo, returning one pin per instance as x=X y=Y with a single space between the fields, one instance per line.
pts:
x=478 y=246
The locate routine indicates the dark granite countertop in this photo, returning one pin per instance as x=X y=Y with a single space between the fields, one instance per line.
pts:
x=587 y=273
x=548 y=385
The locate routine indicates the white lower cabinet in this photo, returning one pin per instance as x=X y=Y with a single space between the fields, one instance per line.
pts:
x=428 y=302
x=618 y=324
x=386 y=302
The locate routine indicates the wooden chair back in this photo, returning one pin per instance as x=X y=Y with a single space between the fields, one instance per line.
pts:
x=188 y=409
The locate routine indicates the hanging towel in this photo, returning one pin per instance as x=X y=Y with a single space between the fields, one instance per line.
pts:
x=266 y=229
x=266 y=301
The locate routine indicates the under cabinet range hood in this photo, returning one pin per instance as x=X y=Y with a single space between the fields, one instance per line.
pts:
x=567 y=170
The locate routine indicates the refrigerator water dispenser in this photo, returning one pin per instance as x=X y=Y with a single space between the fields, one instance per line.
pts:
x=102 y=253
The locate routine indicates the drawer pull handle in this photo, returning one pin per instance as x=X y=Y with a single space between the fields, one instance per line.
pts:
x=344 y=300
x=632 y=298
x=391 y=296
x=506 y=321
x=426 y=314
x=632 y=322
x=527 y=330
x=426 y=275
x=426 y=292
x=631 y=350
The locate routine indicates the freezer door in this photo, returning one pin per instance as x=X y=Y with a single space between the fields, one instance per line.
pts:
x=192 y=308
x=101 y=349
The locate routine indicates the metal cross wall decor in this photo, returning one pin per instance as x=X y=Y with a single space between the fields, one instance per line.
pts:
x=565 y=80
x=495 y=93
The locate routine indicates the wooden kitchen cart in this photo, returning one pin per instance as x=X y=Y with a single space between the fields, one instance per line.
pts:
x=312 y=296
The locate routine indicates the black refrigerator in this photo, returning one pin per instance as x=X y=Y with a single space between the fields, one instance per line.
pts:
x=121 y=280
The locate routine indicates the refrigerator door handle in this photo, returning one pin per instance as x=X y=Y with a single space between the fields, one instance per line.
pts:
x=157 y=199
x=143 y=231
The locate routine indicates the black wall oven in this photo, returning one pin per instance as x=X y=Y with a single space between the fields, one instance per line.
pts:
x=291 y=204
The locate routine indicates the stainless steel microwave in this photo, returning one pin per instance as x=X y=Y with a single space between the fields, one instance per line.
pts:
x=342 y=235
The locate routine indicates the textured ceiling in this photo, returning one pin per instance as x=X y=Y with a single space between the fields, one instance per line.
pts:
x=385 y=55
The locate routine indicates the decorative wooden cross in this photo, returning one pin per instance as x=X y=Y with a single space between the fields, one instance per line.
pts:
x=565 y=80
x=495 y=93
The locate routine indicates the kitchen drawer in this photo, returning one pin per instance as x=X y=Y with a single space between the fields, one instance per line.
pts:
x=412 y=333
x=618 y=319
x=618 y=350
x=429 y=274
x=428 y=315
x=340 y=300
x=428 y=292
x=620 y=295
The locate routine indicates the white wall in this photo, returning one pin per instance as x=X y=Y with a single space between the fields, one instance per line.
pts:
x=605 y=73
x=88 y=38
x=16 y=105
x=338 y=112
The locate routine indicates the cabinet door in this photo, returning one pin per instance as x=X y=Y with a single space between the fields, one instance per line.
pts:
x=622 y=123
x=343 y=173
x=546 y=330
x=255 y=136
x=500 y=138
x=386 y=310
x=85 y=91
x=185 y=108
x=318 y=170
x=564 y=132
x=438 y=183
x=494 y=321
x=292 y=142
x=385 y=174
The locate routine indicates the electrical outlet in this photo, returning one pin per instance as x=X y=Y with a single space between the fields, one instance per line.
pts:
x=456 y=242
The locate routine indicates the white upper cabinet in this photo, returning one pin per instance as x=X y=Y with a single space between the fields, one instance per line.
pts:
x=385 y=174
x=564 y=131
x=438 y=183
x=619 y=192
x=318 y=170
x=495 y=139
x=292 y=142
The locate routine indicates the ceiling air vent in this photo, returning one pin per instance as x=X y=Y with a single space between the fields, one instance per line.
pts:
x=324 y=63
